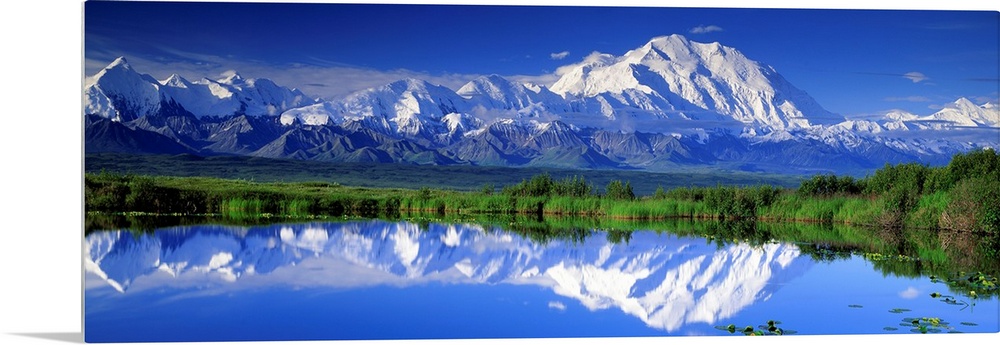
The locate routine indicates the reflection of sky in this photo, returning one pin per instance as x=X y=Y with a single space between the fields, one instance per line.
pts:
x=850 y=296
x=677 y=285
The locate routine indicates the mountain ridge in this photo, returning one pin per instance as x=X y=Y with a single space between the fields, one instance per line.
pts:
x=708 y=101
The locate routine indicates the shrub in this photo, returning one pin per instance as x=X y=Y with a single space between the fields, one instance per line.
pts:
x=828 y=185
x=619 y=191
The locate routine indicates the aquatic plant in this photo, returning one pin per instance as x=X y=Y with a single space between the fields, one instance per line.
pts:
x=770 y=328
x=925 y=325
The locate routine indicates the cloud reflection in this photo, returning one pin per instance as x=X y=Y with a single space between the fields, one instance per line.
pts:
x=909 y=293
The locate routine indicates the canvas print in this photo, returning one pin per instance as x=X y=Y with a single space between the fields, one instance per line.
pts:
x=324 y=171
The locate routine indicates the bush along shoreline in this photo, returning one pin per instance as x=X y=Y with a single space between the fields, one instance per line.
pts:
x=961 y=196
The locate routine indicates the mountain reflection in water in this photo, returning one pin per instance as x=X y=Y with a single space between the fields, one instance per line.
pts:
x=663 y=280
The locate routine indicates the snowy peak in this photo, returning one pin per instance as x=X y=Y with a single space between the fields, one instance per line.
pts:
x=496 y=92
x=418 y=87
x=406 y=98
x=491 y=86
x=231 y=78
x=675 y=48
x=673 y=73
x=964 y=113
x=177 y=81
x=120 y=62
x=410 y=107
x=120 y=93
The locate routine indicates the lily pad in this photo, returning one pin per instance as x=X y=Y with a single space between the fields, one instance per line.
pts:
x=890 y=328
x=898 y=310
x=731 y=328
x=855 y=306
x=966 y=323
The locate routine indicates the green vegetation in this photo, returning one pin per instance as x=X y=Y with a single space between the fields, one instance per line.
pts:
x=771 y=328
x=926 y=325
x=961 y=196
x=935 y=212
x=118 y=193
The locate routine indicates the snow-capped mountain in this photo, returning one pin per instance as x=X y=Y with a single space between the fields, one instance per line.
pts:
x=524 y=100
x=961 y=113
x=120 y=93
x=663 y=280
x=409 y=107
x=672 y=77
x=671 y=102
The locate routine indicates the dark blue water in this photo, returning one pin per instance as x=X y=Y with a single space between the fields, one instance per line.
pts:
x=396 y=280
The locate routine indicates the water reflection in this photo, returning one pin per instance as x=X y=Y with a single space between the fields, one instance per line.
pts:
x=664 y=280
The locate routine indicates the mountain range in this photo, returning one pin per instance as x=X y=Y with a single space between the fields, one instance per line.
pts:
x=669 y=104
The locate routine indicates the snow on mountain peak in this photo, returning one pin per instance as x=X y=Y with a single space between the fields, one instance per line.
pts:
x=119 y=92
x=231 y=77
x=672 y=73
x=963 y=103
x=964 y=113
x=120 y=62
x=487 y=85
x=176 y=80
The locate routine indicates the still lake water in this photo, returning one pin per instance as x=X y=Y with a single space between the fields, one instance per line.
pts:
x=379 y=279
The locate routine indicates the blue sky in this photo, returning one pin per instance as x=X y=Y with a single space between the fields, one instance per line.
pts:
x=854 y=62
x=44 y=43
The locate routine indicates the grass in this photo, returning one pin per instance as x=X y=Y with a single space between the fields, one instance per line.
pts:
x=111 y=192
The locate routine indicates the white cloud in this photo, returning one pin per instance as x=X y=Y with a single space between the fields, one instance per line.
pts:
x=557 y=305
x=703 y=29
x=916 y=77
x=909 y=293
x=559 y=56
